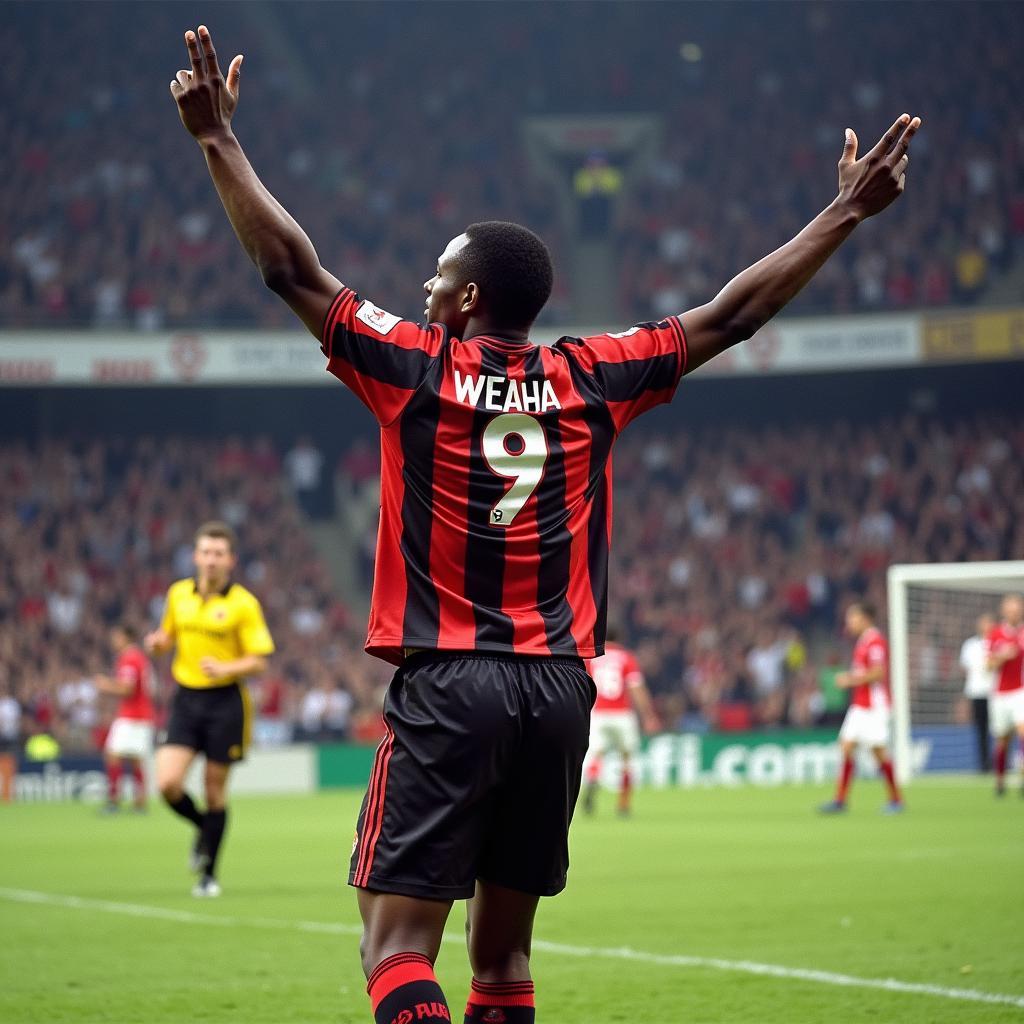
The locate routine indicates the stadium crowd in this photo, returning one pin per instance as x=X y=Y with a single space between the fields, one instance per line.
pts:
x=730 y=564
x=734 y=553
x=93 y=532
x=108 y=217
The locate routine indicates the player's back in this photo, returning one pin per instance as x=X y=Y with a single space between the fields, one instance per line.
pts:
x=615 y=673
x=495 y=476
x=871 y=651
x=1010 y=675
x=134 y=668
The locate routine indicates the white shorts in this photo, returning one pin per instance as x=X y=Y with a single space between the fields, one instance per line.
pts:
x=129 y=737
x=1005 y=712
x=868 y=726
x=614 y=732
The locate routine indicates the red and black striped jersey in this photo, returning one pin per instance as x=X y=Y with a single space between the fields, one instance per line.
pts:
x=496 y=493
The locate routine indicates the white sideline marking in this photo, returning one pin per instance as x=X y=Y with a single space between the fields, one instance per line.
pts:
x=969 y=995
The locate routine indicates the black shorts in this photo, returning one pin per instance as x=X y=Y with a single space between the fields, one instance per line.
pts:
x=477 y=776
x=215 y=721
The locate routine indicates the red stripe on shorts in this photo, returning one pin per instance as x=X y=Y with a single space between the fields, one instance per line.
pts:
x=374 y=819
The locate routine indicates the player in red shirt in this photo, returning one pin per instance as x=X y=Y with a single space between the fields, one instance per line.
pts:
x=623 y=704
x=867 y=719
x=492 y=554
x=130 y=739
x=1005 y=647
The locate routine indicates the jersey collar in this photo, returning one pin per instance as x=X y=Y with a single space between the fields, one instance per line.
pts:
x=504 y=344
x=223 y=590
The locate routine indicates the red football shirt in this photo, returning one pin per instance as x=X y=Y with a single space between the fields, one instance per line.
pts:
x=133 y=667
x=496 y=501
x=869 y=652
x=1011 y=673
x=615 y=673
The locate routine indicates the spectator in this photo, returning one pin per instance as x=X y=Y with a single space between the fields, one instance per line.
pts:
x=304 y=465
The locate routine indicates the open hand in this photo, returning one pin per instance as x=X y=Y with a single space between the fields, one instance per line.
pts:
x=870 y=184
x=205 y=100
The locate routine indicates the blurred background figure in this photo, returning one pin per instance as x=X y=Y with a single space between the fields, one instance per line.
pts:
x=978 y=685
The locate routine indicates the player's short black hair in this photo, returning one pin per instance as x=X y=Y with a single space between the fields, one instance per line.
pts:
x=128 y=630
x=513 y=268
x=218 y=531
x=867 y=609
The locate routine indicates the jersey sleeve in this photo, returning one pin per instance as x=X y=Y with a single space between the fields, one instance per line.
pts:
x=993 y=640
x=965 y=655
x=253 y=633
x=167 y=620
x=877 y=653
x=632 y=673
x=635 y=370
x=129 y=670
x=380 y=356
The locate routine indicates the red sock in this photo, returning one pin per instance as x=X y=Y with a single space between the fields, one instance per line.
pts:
x=890 y=781
x=403 y=987
x=1000 y=763
x=594 y=771
x=626 y=789
x=509 y=1002
x=113 y=780
x=845 y=777
x=140 y=782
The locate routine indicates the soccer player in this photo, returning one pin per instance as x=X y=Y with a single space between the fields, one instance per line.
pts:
x=978 y=685
x=622 y=704
x=1005 y=647
x=130 y=738
x=492 y=554
x=867 y=718
x=220 y=637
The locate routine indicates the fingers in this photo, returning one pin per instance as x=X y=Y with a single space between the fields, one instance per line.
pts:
x=234 y=73
x=184 y=77
x=849 y=147
x=194 y=53
x=899 y=150
x=885 y=143
x=210 y=53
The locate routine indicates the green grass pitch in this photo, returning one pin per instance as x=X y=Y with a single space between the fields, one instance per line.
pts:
x=934 y=898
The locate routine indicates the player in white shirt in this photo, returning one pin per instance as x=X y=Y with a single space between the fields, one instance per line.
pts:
x=979 y=683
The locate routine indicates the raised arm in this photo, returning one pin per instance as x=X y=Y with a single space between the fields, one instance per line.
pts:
x=866 y=187
x=273 y=240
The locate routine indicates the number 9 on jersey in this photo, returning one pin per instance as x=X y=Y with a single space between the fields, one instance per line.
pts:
x=514 y=446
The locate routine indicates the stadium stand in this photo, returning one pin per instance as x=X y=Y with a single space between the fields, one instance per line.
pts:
x=730 y=564
x=384 y=160
x=94 y=532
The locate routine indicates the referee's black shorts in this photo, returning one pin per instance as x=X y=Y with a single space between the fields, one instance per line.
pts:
x=215 y=721
x=477 y=776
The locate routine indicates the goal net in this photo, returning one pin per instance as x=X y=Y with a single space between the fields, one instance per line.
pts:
x=933 y=609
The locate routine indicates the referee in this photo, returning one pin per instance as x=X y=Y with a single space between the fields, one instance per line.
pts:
x=220 y=636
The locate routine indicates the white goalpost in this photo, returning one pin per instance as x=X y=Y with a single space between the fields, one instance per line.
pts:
x=932 y=610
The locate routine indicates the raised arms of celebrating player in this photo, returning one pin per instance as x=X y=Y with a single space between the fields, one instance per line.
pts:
x=274 y=241
x=866 y=187
x=289 y=264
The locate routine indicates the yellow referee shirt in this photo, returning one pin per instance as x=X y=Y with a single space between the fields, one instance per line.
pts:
x=226 y=625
